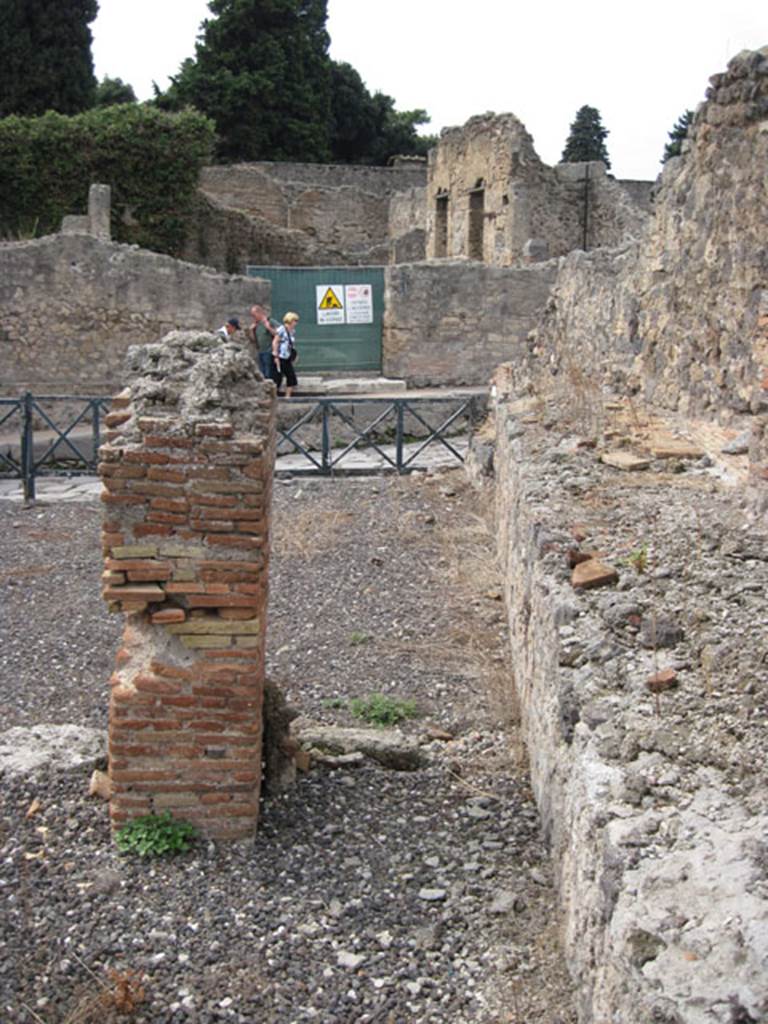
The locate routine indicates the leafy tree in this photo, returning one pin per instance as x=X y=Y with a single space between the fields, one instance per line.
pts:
x=353 y=118
x=151 y=159
x=45 y=56
x=367 y=129
x=586 y=140
x=262 y=73
x=111 y=91
x=677 y=136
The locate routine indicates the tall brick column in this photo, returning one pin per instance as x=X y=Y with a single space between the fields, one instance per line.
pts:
x=187 y=472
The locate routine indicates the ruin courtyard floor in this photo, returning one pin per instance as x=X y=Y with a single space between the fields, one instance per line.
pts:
x=370 y=894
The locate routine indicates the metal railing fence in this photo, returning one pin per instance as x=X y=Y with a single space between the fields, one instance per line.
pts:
x=327 y=431
x=46 y=446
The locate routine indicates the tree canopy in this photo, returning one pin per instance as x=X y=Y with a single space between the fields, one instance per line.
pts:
x=111 y=91
x=45 y=56
x=677 y=136
x=586 y=140
x=366 y=128
x=262 y=73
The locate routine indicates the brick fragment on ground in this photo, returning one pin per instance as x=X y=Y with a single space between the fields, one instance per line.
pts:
x=593 y=573
x=666 y=679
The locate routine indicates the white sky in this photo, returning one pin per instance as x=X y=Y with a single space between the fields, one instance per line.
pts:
x=641 y=65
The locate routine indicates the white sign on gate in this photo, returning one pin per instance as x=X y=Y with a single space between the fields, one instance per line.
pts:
x=359 y=303
x=330 y=303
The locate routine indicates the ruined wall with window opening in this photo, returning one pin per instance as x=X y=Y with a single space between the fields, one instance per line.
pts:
x=489 y=196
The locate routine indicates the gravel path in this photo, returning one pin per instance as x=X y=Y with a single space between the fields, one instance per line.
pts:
x=369 y=895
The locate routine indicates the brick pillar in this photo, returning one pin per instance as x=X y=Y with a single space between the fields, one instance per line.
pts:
x=187 y=472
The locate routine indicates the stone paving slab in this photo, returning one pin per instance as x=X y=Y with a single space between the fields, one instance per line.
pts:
x=52 y=489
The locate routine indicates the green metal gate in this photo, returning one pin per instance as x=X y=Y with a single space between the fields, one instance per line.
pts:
x=341 y=311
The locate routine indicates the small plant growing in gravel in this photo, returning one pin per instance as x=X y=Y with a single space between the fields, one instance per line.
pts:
x=155 y=835
x=356 y=638
x=638 y=559
x=381 y=710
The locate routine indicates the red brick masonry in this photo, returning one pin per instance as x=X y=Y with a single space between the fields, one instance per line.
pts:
x=185 y=540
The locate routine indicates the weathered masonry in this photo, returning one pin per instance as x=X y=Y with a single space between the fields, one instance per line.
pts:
x=187 y=473
x=491 y=199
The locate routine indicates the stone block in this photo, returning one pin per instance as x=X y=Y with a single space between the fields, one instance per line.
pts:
x=624 y=460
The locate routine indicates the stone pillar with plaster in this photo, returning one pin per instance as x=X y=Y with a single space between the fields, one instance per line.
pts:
x=187 y=470
x=99 y=208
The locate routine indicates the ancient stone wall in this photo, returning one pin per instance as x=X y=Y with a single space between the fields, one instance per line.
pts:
x=637 y=659
x=407 y=226
x=297 y=214
x=72 y=305
x=681 y=317
x=452 y=323
x=187 y=473
x=489 y=196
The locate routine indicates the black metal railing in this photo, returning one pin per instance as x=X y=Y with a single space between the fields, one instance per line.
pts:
x=36 y=443
x=398 y=432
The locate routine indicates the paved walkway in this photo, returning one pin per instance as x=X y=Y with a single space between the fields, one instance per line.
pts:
x=54 y=489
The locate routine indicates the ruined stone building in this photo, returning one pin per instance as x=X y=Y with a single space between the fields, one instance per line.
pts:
x=490 y=198
x=468 y=244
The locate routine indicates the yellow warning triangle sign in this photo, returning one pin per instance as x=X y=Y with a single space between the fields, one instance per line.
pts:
x=330 y=300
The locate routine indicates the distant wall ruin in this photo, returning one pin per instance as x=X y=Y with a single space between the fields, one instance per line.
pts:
x=187 y=473
x=452 y=323
x=297 y=214
x=680 y=317
x=490 y=198
x=72 y=305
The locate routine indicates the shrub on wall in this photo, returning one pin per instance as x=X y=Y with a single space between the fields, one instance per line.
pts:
x=149 y=157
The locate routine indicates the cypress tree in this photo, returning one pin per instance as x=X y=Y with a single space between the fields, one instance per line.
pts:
x=586 y=140
x=677 y=136
x=262 y=73
x=45 y=56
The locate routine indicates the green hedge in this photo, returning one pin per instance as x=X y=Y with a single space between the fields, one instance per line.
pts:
x=151 y=158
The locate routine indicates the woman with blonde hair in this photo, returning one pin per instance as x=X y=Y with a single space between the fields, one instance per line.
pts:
x=284 y=353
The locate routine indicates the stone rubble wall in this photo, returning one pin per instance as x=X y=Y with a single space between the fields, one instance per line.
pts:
x=687 y=310
x=655 y=806
x=187 y=472
x=297 y=214
x=448 y=323
x=635 y=574
x=72 y=305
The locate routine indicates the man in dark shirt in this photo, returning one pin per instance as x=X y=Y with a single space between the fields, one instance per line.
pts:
x=260 y=333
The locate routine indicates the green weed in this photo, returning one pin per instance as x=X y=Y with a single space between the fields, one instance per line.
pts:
x=155 y=835
x=380 y=710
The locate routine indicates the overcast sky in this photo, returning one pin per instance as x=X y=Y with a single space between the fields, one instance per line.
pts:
x=641 y=65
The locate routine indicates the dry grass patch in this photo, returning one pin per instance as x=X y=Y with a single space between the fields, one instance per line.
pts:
x=307 y=533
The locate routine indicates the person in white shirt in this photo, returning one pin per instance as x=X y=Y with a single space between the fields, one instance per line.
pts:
x=284 y=353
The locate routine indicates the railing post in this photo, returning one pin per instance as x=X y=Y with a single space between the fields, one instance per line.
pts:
x=326 y=436
x=399 y=436
x=27 y=449
x=96 y=432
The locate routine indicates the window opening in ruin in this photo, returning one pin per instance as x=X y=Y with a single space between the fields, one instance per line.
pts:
x=441 y=225
x=476 y=218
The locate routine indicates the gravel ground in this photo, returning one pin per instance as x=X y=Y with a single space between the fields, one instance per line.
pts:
x=369 y=895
